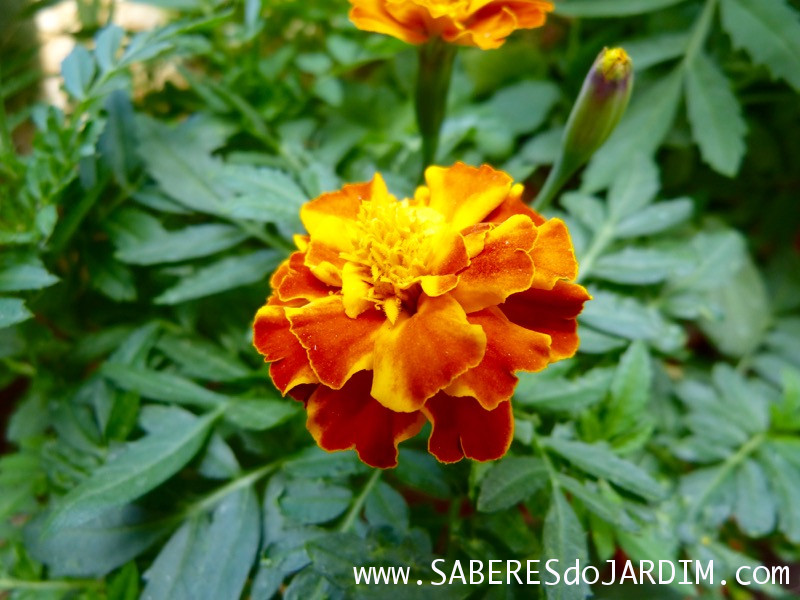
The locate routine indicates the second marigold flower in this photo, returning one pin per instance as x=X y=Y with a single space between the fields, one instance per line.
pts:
x=482 y=23
x=396 y=312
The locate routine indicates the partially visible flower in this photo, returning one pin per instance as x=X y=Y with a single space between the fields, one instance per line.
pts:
x=482 y=23
x=394 y=312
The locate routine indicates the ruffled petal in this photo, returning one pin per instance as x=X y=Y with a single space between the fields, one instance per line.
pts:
x=553 y=255
x=502 y=268
x=464 y=195
x=273 y=338
x=509 y=348
x=325 y=263
x=298 y=282
x=337 y=345
x=552 y=312
x=371 y=15
x=351 y=418
x=355 y=289
x=422 y=354
x=513 y=205
x=326 y=217
x=463 y=428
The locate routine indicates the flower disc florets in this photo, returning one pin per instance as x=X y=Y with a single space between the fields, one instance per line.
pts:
x=396 y=312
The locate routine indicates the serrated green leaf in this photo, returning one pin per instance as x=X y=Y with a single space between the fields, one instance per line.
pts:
x=655 y=219
x=655 y=49
x=13 y=311
x=209 y=561
x=634 y=188
x=310 y=502
x=98 y=546
x=637 y=266
x=715 y=115
x=630 y=392
x=159 y=385
x=510 y=481
x=194 y=241
x=223 y=275
x=138 y=468
x=626 y=317
x=770 y=32
x=784 y=478
x=27 y=274
x=386 y=507
x=78 y=71
x=561 y=394
x=610 y=8
x=598 y=460
x=260 y=414
x=564 y=539
x=755 y=507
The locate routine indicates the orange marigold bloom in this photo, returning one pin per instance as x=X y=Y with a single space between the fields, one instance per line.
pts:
x=482 y=23
x=396 y=312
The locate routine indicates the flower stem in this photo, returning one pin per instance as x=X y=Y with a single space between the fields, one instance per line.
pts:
x=351 y=515
x=558 y=176
x=433 y=83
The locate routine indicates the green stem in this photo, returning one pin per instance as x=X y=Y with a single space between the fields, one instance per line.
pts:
x=433 y=83
x=49 y=586
x=599 y=243
x=355 y=509
x=729 y=465
x=246 y=480
x=559 y=175
x=700 y=32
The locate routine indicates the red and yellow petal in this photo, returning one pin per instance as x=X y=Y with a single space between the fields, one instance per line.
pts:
x=553 y=255
x=463 y=428
x=350 y=418
x=552 y=312
x=464 y=195
x=325 y=263
x=371 y=15
x=273 y=338
x=337 y=345
x=326 y=217
x=509 y=348
x=421 y=354
x=504 y=267
x=298 y=282
x=513 y=205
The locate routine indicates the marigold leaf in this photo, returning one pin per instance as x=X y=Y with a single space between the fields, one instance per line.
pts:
x=610 y=8
x=138 y=468
x=715 y=116
x=510 y=481
x=770 y=32
x=755 y=508
x=564 y=540
x=598 y=460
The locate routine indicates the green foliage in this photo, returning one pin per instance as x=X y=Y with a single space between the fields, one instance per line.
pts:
x=149 y=454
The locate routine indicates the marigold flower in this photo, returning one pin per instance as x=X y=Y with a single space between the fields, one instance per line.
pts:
x=393 y=312
x=482 y=23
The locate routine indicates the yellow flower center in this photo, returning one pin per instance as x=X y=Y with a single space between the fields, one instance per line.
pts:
x=393 y=240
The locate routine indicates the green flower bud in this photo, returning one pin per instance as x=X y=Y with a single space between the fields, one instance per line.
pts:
x=596 y=113
x=600 y=105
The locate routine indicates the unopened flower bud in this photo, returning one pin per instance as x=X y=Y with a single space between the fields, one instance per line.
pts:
x=600 y=105
x=596 y=113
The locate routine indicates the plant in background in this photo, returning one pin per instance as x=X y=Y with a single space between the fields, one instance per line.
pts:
x=393 y=312
x=436 y=26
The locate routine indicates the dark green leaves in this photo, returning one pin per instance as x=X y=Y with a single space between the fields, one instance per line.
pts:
x=510 y=481
x=770 y=32
x=138 y=468
x=611 y=8
x=715 y=115
x=209 y=558
x=601 y=462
